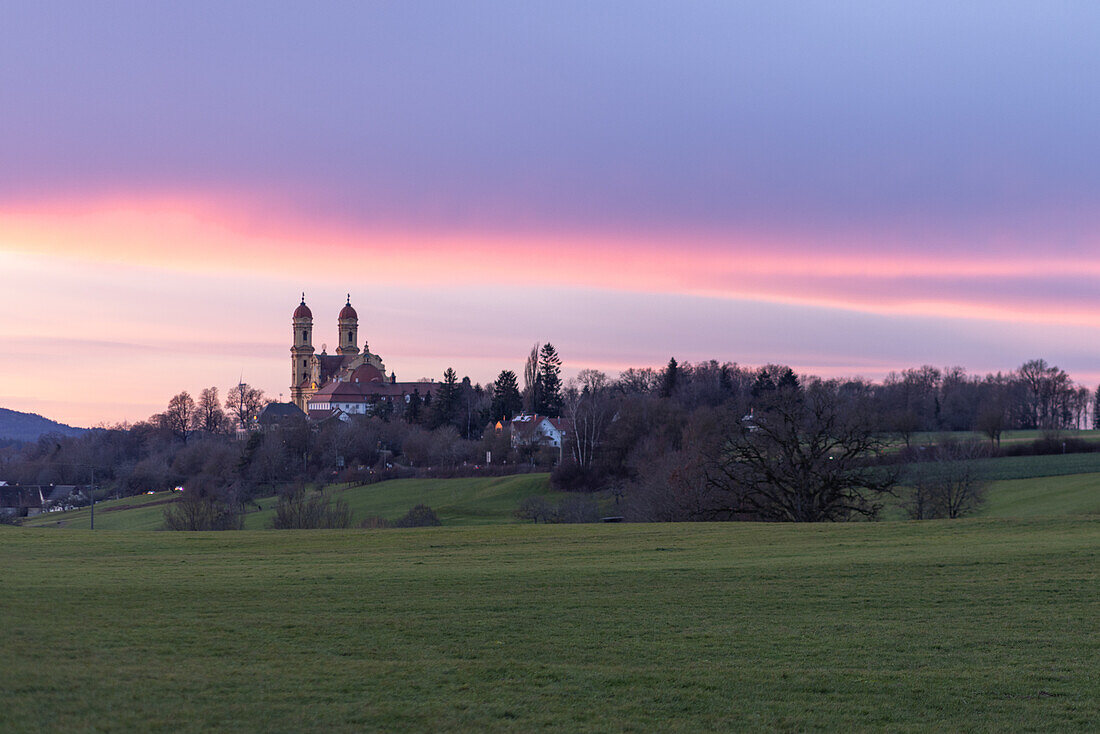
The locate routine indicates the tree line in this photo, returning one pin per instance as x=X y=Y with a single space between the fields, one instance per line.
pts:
x=689 y=441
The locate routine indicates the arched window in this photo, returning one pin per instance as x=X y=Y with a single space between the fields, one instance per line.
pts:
x=305 y=336
x=349 y=336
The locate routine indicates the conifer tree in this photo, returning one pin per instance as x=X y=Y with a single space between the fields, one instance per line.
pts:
x=412 y=410
x=670 y=377
x=446 y=402
x=1096 y=410
x=506 y=398
x=549 y=382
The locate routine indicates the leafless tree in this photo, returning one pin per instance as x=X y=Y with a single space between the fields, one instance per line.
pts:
x=948 y=482
x=181 y=416
x=801 y=459
x=210 y=418
x=636 y=381
x=531 y=380
x=243 y=403
x=588 y=410
x=300 y=509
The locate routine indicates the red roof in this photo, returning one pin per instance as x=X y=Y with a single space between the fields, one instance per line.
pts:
x=303 y=312
x=347 y=312
x=367 y=373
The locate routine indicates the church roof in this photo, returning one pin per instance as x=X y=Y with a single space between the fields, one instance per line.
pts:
x=303 y=312
x=367 y=373
x=347 y=312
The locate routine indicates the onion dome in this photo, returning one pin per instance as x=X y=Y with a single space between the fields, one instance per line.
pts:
x=347 y=312
x=303 y=312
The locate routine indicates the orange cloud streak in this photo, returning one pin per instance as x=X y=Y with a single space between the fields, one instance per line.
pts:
x=204 y=235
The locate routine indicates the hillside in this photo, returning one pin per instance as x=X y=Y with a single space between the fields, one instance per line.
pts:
x=468 y=501
x=18 y=426
x=1026 y=486
x=971 y=625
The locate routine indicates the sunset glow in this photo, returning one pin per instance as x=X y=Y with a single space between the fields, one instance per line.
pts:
x=811 y=209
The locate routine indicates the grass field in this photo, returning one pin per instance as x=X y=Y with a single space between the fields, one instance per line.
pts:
x=974 y=625
x=467 y=501
x=1008 y=438
x=1028 y=467
x=1023 y=486
x=1076 y=494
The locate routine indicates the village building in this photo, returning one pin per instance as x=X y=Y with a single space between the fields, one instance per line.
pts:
x=276 y=415
x=350 y=382
x=534 y=431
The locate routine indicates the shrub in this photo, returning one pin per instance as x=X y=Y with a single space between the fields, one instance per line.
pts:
x=569 y=476
x=534 y=508
x=577 y=509
x=420 y=516
x=374 y=522
x=570 y=510
x=198 y=510
x=298 y=509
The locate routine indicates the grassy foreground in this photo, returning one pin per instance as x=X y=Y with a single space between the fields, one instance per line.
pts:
x=978 y=625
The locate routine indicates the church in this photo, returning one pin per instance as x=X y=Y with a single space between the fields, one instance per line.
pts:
x=346 y=383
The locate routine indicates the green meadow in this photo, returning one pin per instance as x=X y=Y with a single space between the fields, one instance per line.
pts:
x=1022 y=486
x=971 y=625
x=467 y=501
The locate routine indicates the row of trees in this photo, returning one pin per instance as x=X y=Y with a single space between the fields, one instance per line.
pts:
x=184 y=416
x=691 y=441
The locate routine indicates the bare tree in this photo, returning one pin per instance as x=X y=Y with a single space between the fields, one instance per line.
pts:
x=947 y=483
x=300 y=509
x=210 y=418
x=531 y=380
x=588 y=411
x=181 y=417
x=243 y=403
x=800 y=459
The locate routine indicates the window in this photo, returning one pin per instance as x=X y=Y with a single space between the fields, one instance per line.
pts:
x=305 y=336
x=349 y=336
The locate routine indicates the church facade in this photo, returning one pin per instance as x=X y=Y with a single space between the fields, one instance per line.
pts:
x=347 y=382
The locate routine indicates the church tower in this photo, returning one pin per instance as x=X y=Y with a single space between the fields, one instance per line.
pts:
x=301 y=354
x=348 y=324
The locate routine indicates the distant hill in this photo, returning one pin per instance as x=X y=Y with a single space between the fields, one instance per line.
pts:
x=29 y=426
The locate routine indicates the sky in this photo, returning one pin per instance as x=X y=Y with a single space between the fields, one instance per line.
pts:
x=849 y=188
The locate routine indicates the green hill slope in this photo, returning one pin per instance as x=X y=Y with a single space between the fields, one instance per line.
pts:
x=1075 y=494
x=141 y=512
x=465 y=501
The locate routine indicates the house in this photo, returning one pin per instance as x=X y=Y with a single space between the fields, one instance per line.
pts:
x=22 y=500
x=536 y=431
x=277 y=415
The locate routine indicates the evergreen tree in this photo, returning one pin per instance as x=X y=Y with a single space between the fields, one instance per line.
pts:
x=1096 y=410
x=788 y=380
x=549 y=382
x=412 y=410
x=447 y=399
x=669 y=379
x=763 y=385
x=507 y=400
